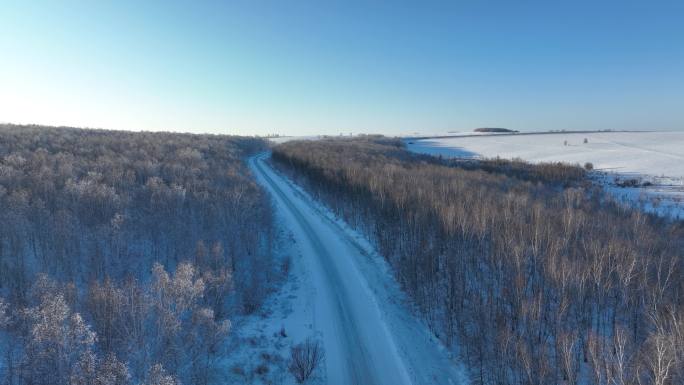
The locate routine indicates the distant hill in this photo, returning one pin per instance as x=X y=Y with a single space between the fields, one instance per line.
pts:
x=493 y=129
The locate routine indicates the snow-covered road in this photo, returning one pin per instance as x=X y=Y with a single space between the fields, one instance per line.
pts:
x=358 y=310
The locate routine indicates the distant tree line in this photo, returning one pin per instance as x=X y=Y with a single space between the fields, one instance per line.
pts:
x=537 y=276
x=123 y=254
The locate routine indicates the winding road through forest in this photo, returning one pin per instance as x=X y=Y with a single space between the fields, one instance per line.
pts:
x=368 y=335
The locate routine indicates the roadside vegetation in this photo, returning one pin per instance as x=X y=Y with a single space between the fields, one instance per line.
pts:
x=123 y=255
x=531 y=274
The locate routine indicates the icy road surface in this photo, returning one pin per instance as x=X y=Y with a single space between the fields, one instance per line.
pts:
x=368 y=334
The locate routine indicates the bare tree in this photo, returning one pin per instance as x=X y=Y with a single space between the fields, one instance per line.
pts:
x=304 y=359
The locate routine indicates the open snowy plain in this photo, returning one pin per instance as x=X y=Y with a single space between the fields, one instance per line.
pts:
x=629 y=159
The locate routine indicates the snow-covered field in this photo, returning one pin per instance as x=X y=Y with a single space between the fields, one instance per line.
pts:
x=342 y=293
x=283 y=139
x=653 y=157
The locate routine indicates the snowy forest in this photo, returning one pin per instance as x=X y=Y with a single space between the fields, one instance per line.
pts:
x=123 y=255
x=529 y=272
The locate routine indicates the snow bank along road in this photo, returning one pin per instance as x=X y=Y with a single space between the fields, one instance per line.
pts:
x=368 y=337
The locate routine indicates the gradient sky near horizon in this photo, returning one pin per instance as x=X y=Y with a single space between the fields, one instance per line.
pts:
x=324 y=67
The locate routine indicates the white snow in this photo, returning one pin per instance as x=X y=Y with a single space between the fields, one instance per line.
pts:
x=653 y=153
x=351 y=301
x=283 y=139
x=655 y=157
x=264 y=339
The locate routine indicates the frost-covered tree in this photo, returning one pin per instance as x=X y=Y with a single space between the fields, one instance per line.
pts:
x=90 y=370
x=4 y=314
x=188 y=336
x=158 y=376
x=83 y=205
x=205 y=348
x=105 y=215
x=57 y=339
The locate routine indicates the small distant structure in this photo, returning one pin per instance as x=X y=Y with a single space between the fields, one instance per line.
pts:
x=494 y=129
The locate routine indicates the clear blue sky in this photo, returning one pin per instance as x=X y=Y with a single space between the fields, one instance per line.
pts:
x=258 y=67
